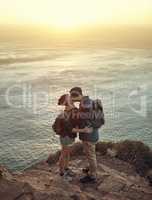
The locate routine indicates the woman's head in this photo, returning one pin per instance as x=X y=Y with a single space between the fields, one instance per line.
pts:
x=65 y=100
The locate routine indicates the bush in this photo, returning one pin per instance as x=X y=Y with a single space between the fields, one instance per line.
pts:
x=136 y=153
x=103 y=146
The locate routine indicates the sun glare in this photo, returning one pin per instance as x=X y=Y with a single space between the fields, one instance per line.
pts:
x=73 y=13
x=69 y=13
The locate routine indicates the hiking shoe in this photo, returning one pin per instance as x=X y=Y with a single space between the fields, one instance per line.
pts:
x=88 y=179
x=61 y=174
x=67 y=178
x=69 y=172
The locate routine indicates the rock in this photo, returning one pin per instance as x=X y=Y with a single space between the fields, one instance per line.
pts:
x=112 y=153
x=1 y=174
x=5 y=174
x=111 y=196
x=14 y=190
x=41 y=196
x=112 y=184
x=42 y=181
x=149 y=177
x=78 y=197
x=75 y=197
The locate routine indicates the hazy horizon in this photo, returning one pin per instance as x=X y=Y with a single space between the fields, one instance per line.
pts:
x=135 y=36
x=110 y=23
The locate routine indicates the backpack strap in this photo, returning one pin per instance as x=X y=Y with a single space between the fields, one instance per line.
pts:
x=97 y=105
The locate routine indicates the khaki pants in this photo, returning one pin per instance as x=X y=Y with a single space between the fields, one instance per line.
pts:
x=90 y=152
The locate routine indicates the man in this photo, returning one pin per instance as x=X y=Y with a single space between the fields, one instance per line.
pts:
x=90 y=137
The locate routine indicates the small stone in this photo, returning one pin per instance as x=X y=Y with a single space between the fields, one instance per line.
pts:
x=75 y=197
x=112 y=153
x=47 y=184
x=149 y=177
x=1 y=173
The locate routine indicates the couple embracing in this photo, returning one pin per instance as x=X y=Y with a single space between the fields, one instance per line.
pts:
x=84 y=122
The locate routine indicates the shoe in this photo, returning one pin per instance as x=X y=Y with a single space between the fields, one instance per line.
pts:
x=67 y=178
x=88 y=179
x=61 y=173
x=69 y=172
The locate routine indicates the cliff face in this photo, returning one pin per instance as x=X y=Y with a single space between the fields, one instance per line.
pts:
x=116 y=180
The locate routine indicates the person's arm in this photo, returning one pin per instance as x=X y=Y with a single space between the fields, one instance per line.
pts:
x=88 y=130
x=77 y=130
x=82 y=130
x=57 y=126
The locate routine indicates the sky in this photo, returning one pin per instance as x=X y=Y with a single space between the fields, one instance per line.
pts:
x=74 y=13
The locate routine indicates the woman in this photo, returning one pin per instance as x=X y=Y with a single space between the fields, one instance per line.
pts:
x=63 y=126
x=67 y=125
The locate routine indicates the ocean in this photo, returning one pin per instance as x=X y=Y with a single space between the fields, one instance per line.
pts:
x=32 y=79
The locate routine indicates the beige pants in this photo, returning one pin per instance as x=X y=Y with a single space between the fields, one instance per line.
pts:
x=90 y=152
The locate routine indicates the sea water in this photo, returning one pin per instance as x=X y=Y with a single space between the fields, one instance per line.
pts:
x=32 y=80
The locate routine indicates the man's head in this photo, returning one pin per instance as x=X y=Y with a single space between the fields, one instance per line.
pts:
x=86 y=104
x=76 y=94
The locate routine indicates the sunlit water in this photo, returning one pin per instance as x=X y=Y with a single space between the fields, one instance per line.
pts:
x=32 y=79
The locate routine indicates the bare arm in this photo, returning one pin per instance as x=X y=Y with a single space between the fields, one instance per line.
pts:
x=84 y=130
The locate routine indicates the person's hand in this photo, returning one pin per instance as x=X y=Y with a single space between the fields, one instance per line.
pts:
x=75 y=130
x=88 y=130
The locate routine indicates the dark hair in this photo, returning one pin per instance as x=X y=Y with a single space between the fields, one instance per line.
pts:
x=62 y=100
x=76 y=90
x=86 y=104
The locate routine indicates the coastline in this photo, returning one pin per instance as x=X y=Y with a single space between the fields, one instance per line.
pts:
x=124 y=172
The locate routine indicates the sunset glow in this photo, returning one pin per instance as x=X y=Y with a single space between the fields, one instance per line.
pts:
x=74 y=13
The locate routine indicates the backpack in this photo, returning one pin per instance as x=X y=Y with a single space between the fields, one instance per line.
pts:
x=57 y=125
x=98 y=114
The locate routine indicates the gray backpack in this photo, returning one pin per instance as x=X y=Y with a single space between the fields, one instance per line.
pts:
x=98 y=119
